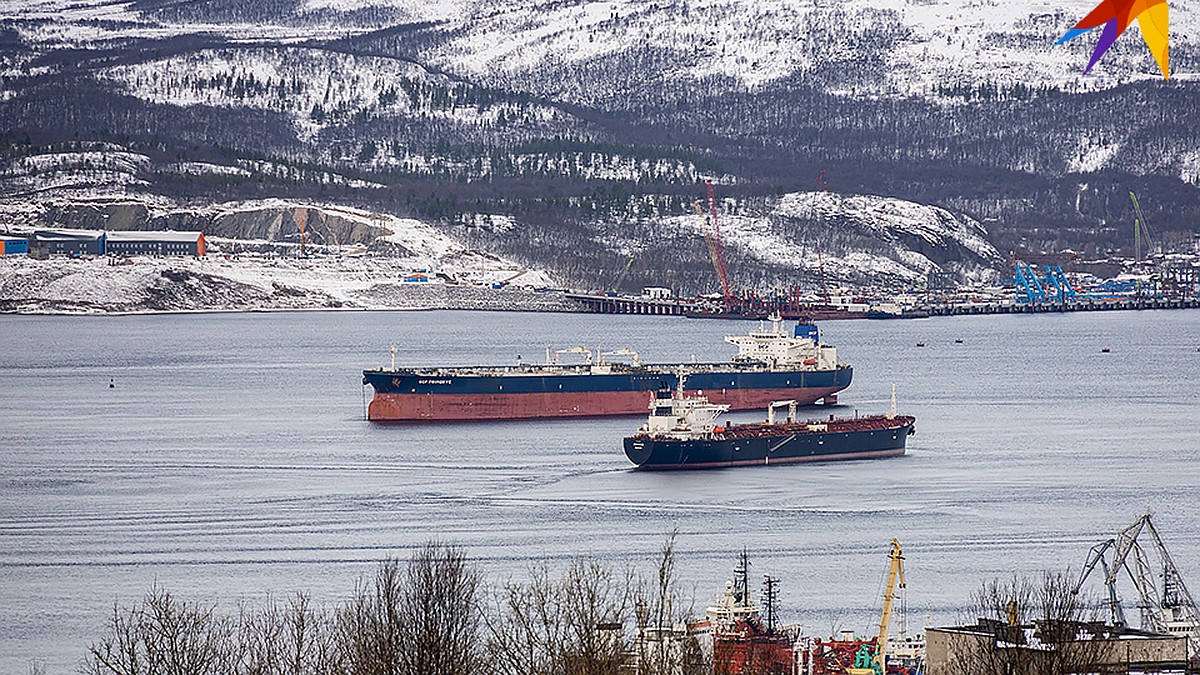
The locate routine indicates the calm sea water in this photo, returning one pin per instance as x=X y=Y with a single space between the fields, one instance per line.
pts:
x=231 y=461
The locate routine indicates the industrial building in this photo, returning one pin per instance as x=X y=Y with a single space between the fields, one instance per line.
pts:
x=66 y=242
x=46 y=243
x=156 y=243
x=1029 y=648
x=13 y=245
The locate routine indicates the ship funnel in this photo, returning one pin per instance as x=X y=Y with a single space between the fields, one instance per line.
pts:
x=807 y=329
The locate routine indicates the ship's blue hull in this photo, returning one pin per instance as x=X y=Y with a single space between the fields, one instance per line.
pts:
x=872 y=439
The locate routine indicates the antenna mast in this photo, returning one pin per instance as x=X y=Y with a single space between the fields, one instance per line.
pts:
x=770 y=595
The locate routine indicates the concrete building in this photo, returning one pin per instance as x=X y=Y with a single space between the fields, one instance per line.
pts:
x=1026 y=648
x=156 y=243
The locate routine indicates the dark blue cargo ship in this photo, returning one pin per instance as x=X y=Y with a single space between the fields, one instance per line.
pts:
x=682 y=433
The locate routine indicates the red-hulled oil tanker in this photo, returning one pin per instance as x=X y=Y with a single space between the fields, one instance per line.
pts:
x=771 y=364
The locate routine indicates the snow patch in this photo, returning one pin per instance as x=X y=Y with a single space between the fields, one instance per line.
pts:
x=1092 y=155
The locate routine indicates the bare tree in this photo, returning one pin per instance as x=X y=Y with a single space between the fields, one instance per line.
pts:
x=1031 y=629
x=439 y=629
x=368 y=626
x=573 y=626
x=161 y=635
x=664 y=646
x=292 y=639
x=421 y=619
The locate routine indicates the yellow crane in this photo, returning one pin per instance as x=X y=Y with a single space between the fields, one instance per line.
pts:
x=895 y=573
x=895 y=568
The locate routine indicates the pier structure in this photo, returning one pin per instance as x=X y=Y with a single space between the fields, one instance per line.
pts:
x=1058 y=307
x=624 y=304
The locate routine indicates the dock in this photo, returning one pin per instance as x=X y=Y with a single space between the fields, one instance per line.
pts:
x=1060 y=307
x=626 y=304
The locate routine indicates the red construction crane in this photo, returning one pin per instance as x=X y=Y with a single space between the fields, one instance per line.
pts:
x=718 y=249
x=708 y=239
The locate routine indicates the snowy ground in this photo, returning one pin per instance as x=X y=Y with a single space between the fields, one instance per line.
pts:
x=144 y=284
x=364 y=267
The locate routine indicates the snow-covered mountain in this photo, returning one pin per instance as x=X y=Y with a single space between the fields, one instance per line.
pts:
x=912 y=46
x=587 y=128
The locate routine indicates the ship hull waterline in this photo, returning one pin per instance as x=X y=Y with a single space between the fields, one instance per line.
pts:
x=454 y=407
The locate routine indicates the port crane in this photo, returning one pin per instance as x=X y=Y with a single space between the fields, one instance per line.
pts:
x=712 y=240
x=1053 y=287
x=300 y=217
x=895 y=571
x=1170 y=609
x=616 y=287
x=1141 y=229
x=865 y=662
x=709 y=242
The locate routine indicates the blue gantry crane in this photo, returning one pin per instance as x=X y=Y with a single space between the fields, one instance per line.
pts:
x=1053 y=287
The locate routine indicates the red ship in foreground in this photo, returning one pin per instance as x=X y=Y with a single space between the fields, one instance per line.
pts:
x=743 y=640
x=747 y=641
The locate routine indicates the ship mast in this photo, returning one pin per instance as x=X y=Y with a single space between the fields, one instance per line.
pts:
x=741 y=579
x=770 y=595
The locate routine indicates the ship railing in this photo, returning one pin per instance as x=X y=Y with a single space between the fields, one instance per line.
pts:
x=585 y=368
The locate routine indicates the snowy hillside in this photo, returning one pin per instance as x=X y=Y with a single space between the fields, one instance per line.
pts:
x=917 y=47
x=345 y=87
x=357 y=259
x=858 y=239
x=573 y=137
x=142 y=284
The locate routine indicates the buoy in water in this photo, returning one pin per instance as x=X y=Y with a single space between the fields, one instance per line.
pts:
x=111 y=384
